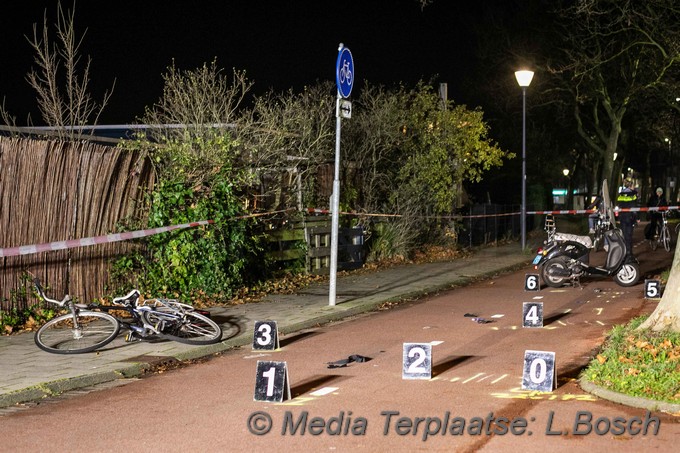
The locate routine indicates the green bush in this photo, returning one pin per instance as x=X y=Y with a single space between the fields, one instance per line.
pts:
x=194 y=263
x=196 y=180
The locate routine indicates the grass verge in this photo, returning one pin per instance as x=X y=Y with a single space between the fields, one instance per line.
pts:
x=638 y=363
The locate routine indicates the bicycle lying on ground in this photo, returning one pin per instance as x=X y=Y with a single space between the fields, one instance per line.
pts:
x=662 y=234
x=88 y=327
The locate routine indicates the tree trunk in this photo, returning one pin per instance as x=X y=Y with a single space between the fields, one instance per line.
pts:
x=667 y=313
x=610 y=168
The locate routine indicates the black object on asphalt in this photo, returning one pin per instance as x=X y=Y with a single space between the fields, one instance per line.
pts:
x=344 y=362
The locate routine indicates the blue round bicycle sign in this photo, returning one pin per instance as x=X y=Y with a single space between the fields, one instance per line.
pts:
x=344 y=72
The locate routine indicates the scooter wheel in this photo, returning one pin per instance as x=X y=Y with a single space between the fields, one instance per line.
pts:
x=555 y=272
x=628 y=275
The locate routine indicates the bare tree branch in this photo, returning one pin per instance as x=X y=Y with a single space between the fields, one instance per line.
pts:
x=64 y=99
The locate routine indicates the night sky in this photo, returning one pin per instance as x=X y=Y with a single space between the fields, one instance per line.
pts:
x=280 y=44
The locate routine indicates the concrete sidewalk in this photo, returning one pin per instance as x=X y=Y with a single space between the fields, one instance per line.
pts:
x=29 y=374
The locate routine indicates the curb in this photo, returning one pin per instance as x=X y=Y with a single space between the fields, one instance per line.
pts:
x=628 y=400
x=54 y=388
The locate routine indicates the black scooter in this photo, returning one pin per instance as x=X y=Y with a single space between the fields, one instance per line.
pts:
x=566 y=258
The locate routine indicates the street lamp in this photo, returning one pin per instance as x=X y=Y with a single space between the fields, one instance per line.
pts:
x=668 y=140
x=565 y=172
x=524 y=80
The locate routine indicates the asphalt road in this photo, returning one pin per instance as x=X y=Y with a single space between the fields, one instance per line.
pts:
x=472 y=402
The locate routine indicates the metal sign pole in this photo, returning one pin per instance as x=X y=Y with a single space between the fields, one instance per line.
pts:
x=335 y=208
x=344 y=79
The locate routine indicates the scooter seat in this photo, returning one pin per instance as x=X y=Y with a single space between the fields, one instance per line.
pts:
x=585 y=240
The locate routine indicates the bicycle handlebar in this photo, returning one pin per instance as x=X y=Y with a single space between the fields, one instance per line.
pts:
x=43 y=296
x=130 y=299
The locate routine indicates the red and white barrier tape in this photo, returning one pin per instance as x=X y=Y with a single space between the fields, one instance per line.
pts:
x=326 y=211
x=317 y=211
x=589 y=211
x=115 y=237
x=559 y=212
x=653 y=208
x=564 y=211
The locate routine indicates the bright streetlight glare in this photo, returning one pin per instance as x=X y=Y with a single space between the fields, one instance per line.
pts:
x=524 y=77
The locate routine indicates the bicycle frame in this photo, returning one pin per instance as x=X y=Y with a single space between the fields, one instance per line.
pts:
x=136 y=325
x=662 y=234
x=130 y=305
x=170 y=310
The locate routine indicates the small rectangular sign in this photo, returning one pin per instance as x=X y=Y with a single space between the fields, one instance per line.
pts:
x=265 y=335
x=652 y=289
x=346 y=109
x=532 y=314
x=539 y=371
x=272 y=382
x=532 y=282
x=417 y=363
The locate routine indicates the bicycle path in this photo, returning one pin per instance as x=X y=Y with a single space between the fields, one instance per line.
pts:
x=30 y=374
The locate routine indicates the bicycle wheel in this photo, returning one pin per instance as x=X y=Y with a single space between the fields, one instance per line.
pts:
x=60 y=336
x=184 y=327
x=666 y=239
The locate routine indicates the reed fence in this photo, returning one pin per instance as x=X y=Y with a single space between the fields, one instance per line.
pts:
x=56 y=191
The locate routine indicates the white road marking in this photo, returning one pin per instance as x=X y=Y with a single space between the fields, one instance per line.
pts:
x=324 y=391
x=500 y=378
x=255 y=356
x=473 y=378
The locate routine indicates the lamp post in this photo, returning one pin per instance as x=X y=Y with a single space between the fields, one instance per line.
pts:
x=565 y=172
x=524 y=80
x=671 y=180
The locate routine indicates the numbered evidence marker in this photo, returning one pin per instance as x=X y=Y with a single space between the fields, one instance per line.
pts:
x=539 y=371
x=265 y=335
x=532 y=314
x=652 y=289
x=531 y=282
x=417 y=363
x=272 y=382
